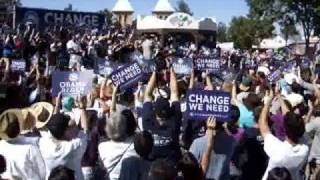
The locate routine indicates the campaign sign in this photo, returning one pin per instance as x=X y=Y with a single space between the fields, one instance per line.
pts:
x=127 y=76
x=275 y=76
x=72 y=83
x=147 y=65
x=45 y=17
x=103 y=66
x=18 y=65
x=182 y=66
x=203 y=104
x=210 y=64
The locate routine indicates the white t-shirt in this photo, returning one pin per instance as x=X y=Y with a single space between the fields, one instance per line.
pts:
x=146 y=47
x=283 y=154
x=113 y=153
x=67 y=153
x=23 y=159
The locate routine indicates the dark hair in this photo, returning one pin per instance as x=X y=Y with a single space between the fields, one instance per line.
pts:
x=126 y=98
x=252 y=101
x=190 y=167
x=2 y=164
x=256 y=113
x=279 y=173
x=162 y=170
x=143 y=144
x=295 y=87
x=13 y=129
x=234 y=117
x=92 y=118
x=234 y=113
x=294 y=126
x=261 y=75
x=61 y=173
x=57 y=125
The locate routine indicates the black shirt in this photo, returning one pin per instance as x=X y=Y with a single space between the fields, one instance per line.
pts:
x=166 y=136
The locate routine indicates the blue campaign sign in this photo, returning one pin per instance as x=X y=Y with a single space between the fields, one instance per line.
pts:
x=127 y=76
x=103 y=66
x=202 y=104
x=18 y=65
x=72 y=83
x=275 y=76
x=207 y=63
x=45 y=17
x=182 y=65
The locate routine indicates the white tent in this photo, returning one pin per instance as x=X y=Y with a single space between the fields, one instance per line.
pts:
x=273 y=43
x=226 y=46
x=123 y=6
x=163 y=6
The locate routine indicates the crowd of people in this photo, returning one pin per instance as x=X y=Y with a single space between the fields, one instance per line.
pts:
x=143 y=132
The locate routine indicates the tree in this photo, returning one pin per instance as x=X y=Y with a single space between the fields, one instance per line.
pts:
x=245 y=31
x=108 y=15
x=222 y=32
x=182 y=6
x=303 y=12
x=288 y=28
x=68 y=8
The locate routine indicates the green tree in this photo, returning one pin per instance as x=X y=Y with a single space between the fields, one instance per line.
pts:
x=288 y=28
x=241 y=33
x=303 y=12
x=108 y=15
x=245 y=31
x=222 y=32
x=182 y=6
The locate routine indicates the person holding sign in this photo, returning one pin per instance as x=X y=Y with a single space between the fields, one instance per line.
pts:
x=163 y=120
x=219 y=141
x=289 y=153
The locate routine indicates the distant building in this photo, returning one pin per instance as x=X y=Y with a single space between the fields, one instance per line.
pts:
x=123 y=12
x=163 y=9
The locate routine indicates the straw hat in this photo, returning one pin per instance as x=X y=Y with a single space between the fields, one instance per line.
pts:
x=28 y=120
x=43 y=112
x=7 y=119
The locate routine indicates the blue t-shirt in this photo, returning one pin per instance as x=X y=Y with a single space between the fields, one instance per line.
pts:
x=246 y=117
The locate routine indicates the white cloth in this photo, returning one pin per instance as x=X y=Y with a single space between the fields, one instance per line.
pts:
x=283 y=154
x=67 y=153
x=75 y=60
x=113 y=153
x=23 y=159
x=74 y=46
x=146 y=47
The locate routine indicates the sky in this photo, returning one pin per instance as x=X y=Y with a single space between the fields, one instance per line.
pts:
x=222 y=10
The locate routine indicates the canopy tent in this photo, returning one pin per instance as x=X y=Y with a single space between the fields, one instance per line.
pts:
x=273 y=43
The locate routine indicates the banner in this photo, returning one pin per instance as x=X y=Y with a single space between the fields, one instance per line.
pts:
x=72 y=83
x=103 y=66
x=45 y=17
x=127 y=76
x=275 y=76
x=202 y=104
x=207 y=63
x=182 y=65
x=18 y=65
x=147 y=66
